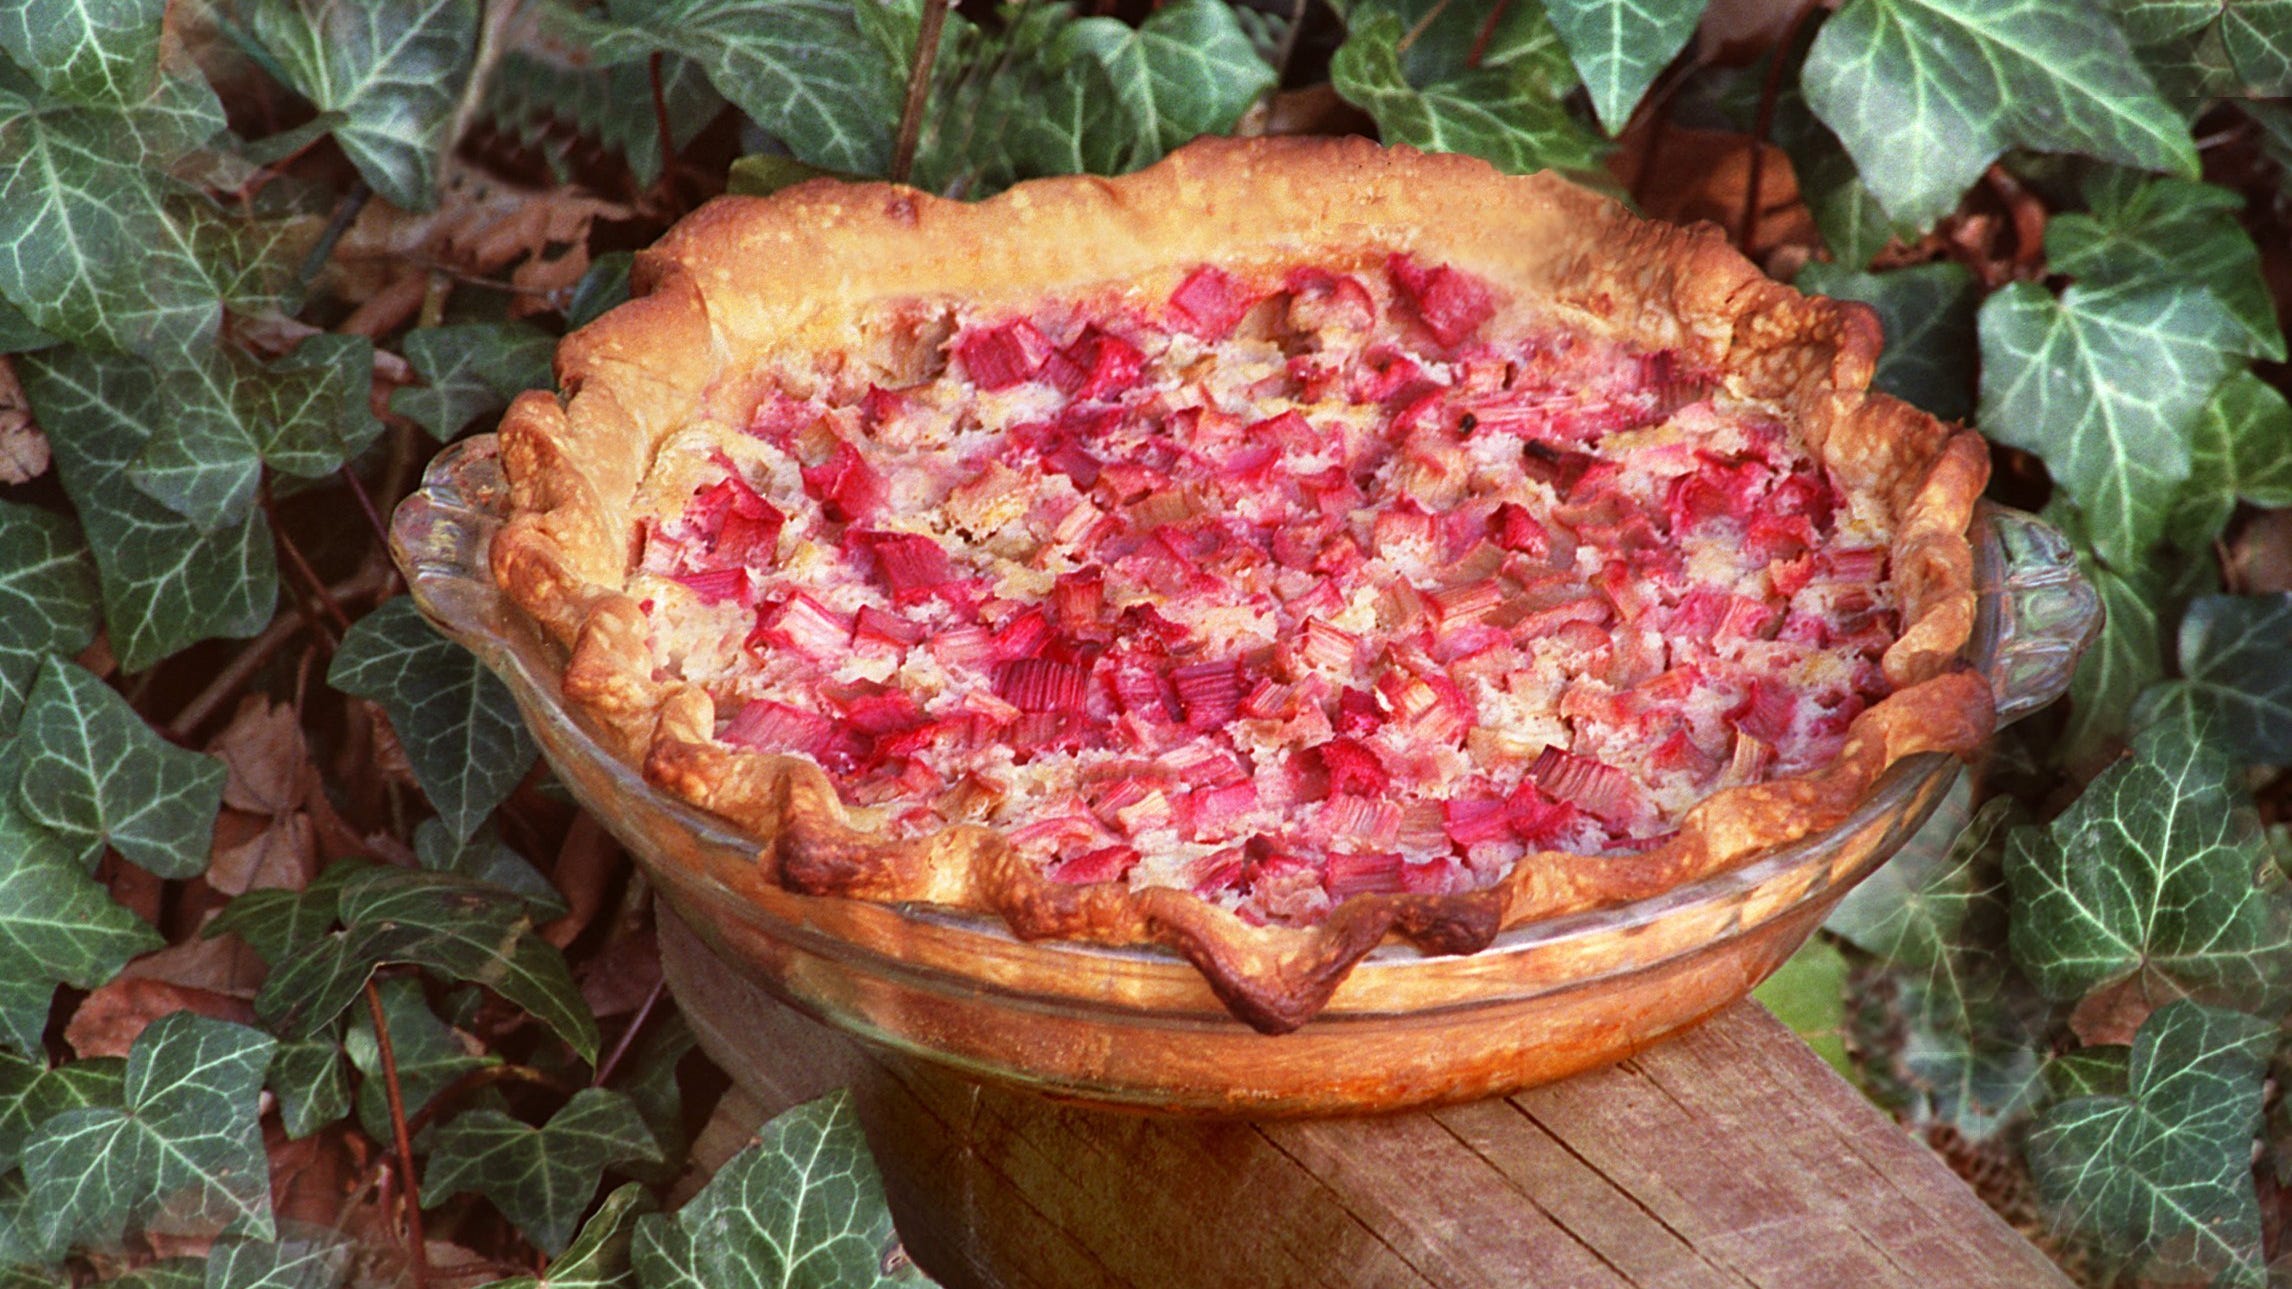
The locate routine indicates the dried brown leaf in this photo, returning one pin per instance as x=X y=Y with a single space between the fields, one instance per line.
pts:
x=254 y=852
x=617 y=980
x=2111 y=1015
x=483 y=227
x=223 y=965
x=23 y=447
x=587 y=862
x=268 y=764
x=109 y=1019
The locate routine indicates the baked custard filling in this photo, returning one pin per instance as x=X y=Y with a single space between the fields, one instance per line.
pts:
x=1279 y=587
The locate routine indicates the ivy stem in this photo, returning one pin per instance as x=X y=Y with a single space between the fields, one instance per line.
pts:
x=366 y=503
x=405 y=1139
x=1770 y=90
x=234 y=676
x=1487 y=31
x=628 y=1037
x=471 y=1082
x=345 y=215
x=661 y=113
x=918 y=89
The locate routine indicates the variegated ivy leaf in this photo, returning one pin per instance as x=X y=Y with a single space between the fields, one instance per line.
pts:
x=303 y=1257
x=1509 y=112
x=1188 y=70
x=458 y=723
x=540 y=1178
x=1927 y=312
x=598 y=1258
x=2248 y=41
x=56 y=925
x=182 y=1154
x=167 y=583
x=89 y=251
x=802 y=1208
x=98 y=52
x=2144 y=232
x=2240 y=450
x=2236 y=676
x=392 y=68
x=1620 y=45
x=1926 y=93
x=471 y=370
x=2053 y=382
x=93 y=774
x=2158 y=869
x=2162 y=1173
x=802 y=69
x=429 y=1057
x=48 y=599
x=461 y=929
x=31 y=1092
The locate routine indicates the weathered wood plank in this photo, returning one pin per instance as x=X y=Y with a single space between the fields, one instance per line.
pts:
x=1730 y=1158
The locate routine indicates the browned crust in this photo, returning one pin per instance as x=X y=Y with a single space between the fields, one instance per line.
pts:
x=742 y=282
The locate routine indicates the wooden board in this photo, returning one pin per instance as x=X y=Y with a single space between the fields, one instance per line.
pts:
x=1731 y=1157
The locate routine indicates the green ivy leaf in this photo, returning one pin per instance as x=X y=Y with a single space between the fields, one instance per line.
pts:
x=460 y=929
x=486 y=858
x=540 y=1178
x=48 y=599
x=560 y=110
x=2158 y=869
x=1911 y=914
x=1927 y=312
x=2163 y=1171
x=802 y=69
x=94 y=775
x=167 y=1273
x=184 y=1155
x=802 y=1208
x=458 y=723
x=391 y=67
x=278 y=924
x=305 y=1257
x=598 y=1258
x=2143 y=233
x=1926 y=93
x=428 y=1055
x=604 y=286
x=2053 y=383
x=2102 y=1070
x=56 y=925
x=307 y=1078
x=88 y=250
x=97 y=52
x=167 y=584
x=1510 y=113
x=31 y=1093
x=2236 y=676
x=2126 y=659
x=648 y=1074
x=18 y=335
x=1188 y=70
x=1620 y=45
x=471 y=370
x=2252 y=39
x=2240 y=450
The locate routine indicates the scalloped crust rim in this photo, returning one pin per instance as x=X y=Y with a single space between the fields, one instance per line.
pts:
x=743 y=283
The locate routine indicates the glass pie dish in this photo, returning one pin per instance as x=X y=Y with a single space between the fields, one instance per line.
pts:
x=1140 y=1027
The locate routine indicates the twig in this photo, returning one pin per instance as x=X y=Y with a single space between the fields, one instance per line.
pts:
x=661 y=112
x=1770 y=89
x=918 y=89
x=405 y=1139
x=1410 y=36
x=1288 y=48
x=366 y=503
x=302 y=566
x=250 y=660
x=1487 y=32
x=345 y=214
x=628 y=1036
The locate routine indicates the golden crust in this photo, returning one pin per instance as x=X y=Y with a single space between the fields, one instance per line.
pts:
x=788 y=282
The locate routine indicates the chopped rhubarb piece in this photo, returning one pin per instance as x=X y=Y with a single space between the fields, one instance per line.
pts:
x=1458 y=606
x=1208 y=692
x=1452 y=305
x=1514 y=529
x=800 y=623
x=964 y=647
x=1719 y=490
x=886 y=711
x=880 y=405
x=1327 y=647
x=734 y=523
x=775 y=727
x=1215 y=872
x=913 y=567
x=1106 y=864
x=1049 y=732
x=1748 y=619
x=779 y=417
x=1861 y=564
x=876 y=626
x=1212 y=812
x=1768 y=711
x=1472 y=820
x=1001 y=357
x=1359 y=712
x=1141 y=689
x=716 y=585
x=1348 y=819
x=1537 y=818
x=1681 y=754
x=1595 y=787
x=1773 y=536
x=1040 y=685
x=1211 y=301
x=846 y=486
x=1024 y=636
x=1321 y=301
x=1353 y=769
x=1098 y=365
x=1372 y=872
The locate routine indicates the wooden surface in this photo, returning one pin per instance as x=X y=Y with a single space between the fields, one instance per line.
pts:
x=1729 y=1157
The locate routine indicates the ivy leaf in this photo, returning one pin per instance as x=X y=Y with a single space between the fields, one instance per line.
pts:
x=2236 y=675
x=540 y=1178
x=459 y=725
x=1910 y=914
x=31 y=1093
x=648 y=1074
x=1927 y=312
x=167 y=1273
x=87 y=51
x=2163 y=1171
x=598 y=1258
x=2159 y=869
x=2240 y=450
x=306 y=1076
x=95 y=775
x=183 y=1155
x=802 y=1208
x=278 y=924
x=562 y=111
x=167 y=583
x=2253 y=38
x=487 y=859
x=56 y=925
x=2143 y=232
x=2126 y=659
x=428 y=1055
x=460 y=929
x=305 y=1257
x=802 y=69
x=2101 y=1070
x=1620 y=45
x=1926 y=93
x=1510 y=114
x=471 y=370
x=2053 y=383
x=390 y=67
x=17 y=334
x=48 y=599
x=604 y=286
x=1188 y=70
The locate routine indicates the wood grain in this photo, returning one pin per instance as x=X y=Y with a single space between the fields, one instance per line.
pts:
x=1731 y=1158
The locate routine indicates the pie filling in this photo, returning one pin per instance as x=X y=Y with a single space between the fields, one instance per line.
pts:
x=1278 y=589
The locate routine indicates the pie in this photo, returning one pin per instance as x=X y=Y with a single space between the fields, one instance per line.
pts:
x=1292 y=546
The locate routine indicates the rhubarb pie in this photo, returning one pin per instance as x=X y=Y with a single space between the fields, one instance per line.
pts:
x=1291 y=547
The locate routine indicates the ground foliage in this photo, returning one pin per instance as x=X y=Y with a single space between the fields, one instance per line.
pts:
x=283 y=897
